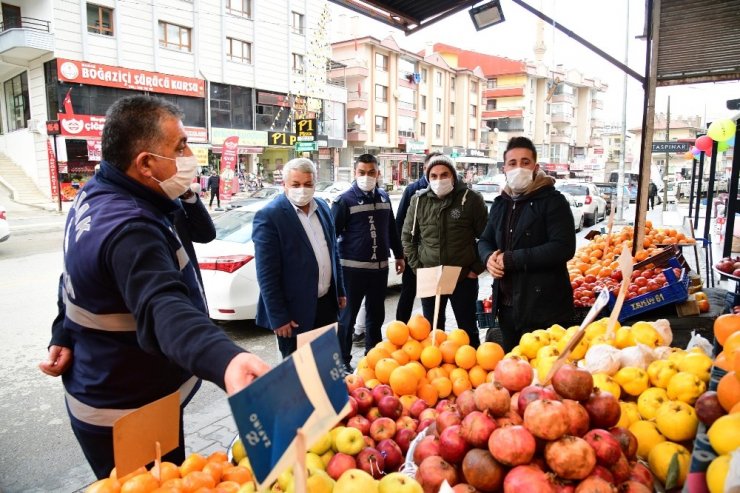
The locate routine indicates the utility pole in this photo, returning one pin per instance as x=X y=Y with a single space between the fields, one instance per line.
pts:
x=623 y=145
x=667 y=155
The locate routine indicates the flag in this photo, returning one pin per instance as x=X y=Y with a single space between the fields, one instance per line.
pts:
x=68 y=103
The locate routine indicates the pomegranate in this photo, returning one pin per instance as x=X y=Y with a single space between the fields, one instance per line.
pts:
x=578 y=420
x=513 y=373
x=452 y=445
x=515 y=402
x=463 y=488
x=571 y=382
x=476 y=427
x=546 y=419
x=465 y=403
x=447 y=419
x=532 y=393
x=562 y=487
x=634 y=487
x=570 y=457
x=708 y=408
x=510 y=418
x=641 y=474
x=433 y=471
x=527 y=478
x=605 y=445
x=627 y=440
x=603 y=473
x=445 y=405
x=482 y=471
x=621 y=469
x=595 y=484
x=428 y=446
x=492 y=397
x=512 y=445
x=603 y=409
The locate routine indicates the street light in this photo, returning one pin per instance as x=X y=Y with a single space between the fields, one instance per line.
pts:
x=487 y=15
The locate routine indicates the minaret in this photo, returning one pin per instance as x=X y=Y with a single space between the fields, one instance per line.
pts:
x=539 y=46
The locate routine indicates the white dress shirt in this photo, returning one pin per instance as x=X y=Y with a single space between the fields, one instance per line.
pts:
x=315 y=232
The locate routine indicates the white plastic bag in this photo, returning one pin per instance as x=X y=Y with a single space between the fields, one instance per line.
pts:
x=697 y=340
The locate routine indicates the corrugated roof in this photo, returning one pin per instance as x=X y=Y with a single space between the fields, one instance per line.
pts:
x=490 y=64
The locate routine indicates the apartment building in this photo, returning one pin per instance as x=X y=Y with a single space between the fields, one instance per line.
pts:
x=402 y=105
x=611 y=152
x=680 y=129
x=236 y=67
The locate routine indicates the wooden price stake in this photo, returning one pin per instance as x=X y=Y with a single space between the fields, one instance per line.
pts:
x=625 y=265
x=436 y=281
x=609 y=227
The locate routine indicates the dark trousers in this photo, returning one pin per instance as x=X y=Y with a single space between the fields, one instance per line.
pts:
x=463 y=300
x=651 y=200
x=97 y=445
x=214 y=193
x=326 y=313
x=509 y=333
x=408 y=296
x=370 y=285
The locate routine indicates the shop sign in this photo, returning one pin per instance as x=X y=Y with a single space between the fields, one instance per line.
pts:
x=229 y=182
x=81 y=126
x=53 y=127
x=599 y=151
x=253 y=138
x=474 y=153
x=556 y=167
x=53 y=170
x=201 y=153
x=97 y=74
x=94 y=151
x=306 y=130
x=671 y=146
x=196 y=134
x=273 y=99
x=415 y=147
x=306 y=146
x=281 y=139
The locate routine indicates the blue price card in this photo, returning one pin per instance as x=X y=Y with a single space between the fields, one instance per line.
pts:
x=306 y=391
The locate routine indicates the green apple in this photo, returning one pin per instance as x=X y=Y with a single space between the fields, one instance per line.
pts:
x=326 y=457
x=322 y=444
x=319 y=482
x=313 y=460
x=397 y=482
x=350 y=441
x=334 y=432
x=285 y=478
x=237 y=451
x=248 y=487
x=354 y=481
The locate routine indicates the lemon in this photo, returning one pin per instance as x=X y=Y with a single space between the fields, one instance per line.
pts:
x=647 y=435
x=548 y=350
x=685 y=386
x=633 y=381
x=543 y=335
x=544 y=364
x=629 y=414
x=238 y=452
x=717 y=473
x=697 y=363
x=529 y=344
x=661 y=371
x=607 y=383
x=645 y=333
x=624 y=337
x=556 y=332
x=723 y=434
x=677 y=421
x=660 y=458
x=650 y=401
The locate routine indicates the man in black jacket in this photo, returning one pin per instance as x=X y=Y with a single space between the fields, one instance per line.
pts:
x=529 y=237
x=214 y=182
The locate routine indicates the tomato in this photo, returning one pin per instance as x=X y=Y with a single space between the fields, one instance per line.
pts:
x=587 y=301
x=660 y=278
x=636 y=273
x=633 y=288
x=616 y=275
x=587 y=294
x=642 y=290
x=703 y=305
x=652 y=285
x=641 y=281
x=658 y=271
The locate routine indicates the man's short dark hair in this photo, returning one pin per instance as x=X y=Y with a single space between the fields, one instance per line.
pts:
x=134 y=124
x=366 y=158
x=521 y=143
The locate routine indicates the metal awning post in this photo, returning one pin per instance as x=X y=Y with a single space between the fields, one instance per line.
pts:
x=708 y=213
x=691 y=190
x=732 y=200
x=699 y=180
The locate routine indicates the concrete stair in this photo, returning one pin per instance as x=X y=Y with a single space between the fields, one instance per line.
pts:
x=22 y=188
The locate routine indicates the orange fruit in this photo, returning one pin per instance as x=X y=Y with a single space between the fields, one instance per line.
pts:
x=387 y=345
x=460 y=385
x=403 y=381
x=728 y=391
x=413 y=348
x=436 y=373
x=477 y=375
x=428 y=393
x=218 y=456
x=419 y=327
x=459 y=336
x=167 y=470
x=443 y=386
x=448 y=367
x=375 y=355
x=400 y=356
x=426 y=342
x=362 y=363
x=107 y=485
x=732 y=343
x=488 y=355
x=458 y=373
x=418 y=368
x=726 y=325
x=721 y=362
x=431 y=356
x=491 y=377
x=366 y=373
x=198 y=479
x=227 y=487
x=438 y=336
x=408 y=400
x=240 y=474
x=372 y=383
x=397 y=332
x=128 y=476
x=194 y=462
x=215 y=469
x=465 y=357
x=449 y=348
x=384 y=368
x=174 y=484
x=737 y=364
x=422 y=381
x=141 y=483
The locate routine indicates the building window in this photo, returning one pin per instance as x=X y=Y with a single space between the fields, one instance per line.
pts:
x=381 y=124
x=472 y=135
x=381 y=62
x=423 y=103
x=297 y=23
x=17 y=102
x=452 y=132
x=422 y=129
x=99 y=20
x=438 y=131
x=174 y=37
x=473 y=110
x=438 y=78
x=491 y=104
x=423 y=75
x=381 y=93
x=492 y=83
x=239 y=51
x=452 y=108
x=452 y=83
x=474 y=87
x=439 y=105
x=239 y=7
x=297 y=63
x=231 y=106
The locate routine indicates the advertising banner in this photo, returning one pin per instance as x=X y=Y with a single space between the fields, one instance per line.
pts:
x=53 y=170
x=84 y=126
x=94 y=152
x=229 y=182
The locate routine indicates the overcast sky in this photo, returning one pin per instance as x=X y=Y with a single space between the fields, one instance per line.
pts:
x=602 y=22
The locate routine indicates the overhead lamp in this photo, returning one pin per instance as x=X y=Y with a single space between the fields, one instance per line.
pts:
x=487 y=15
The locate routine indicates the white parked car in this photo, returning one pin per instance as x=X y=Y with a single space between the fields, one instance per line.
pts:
x=488 y=189
x=594 y=206
x=576 y=207
x=4 y=227
x=228 y=268
x=329 y=190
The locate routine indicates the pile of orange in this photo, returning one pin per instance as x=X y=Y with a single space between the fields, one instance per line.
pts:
x=420 y=363
x=213 y=474
x=727 y=333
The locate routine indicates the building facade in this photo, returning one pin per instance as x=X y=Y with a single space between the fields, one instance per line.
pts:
x=236 y=67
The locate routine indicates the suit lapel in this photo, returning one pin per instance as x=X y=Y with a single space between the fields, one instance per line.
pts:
x=292 y=216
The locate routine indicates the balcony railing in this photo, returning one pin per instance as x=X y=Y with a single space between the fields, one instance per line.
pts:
x=503 y=92
x=563 y=98
x=25 y=38
x=25 y=23
x=562 y=118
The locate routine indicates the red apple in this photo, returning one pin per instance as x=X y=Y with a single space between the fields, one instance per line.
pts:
x=407 y=422
x=428 y=413
x=380 y=391
x=371 y=461
x=359 y=422
x=403 y=438
x=364 y=399
x=382 y=428
x=353 y=382
x=513 y=373
x=423 y=424
x=373 y=413
x=390 y=406
x=447 y=419
x=417 y=407
x=369 y=442
x=392 y=454
x=427 y=447
x=339 y=463
x=353 y=408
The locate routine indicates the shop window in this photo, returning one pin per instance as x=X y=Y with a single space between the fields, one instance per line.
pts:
x=241 y=8
x=99 y=20
x=239 y=51
x=297 y=23
x=174 y=37
x=17 y=102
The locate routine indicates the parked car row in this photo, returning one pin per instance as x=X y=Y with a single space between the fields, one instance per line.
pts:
x=594 y=205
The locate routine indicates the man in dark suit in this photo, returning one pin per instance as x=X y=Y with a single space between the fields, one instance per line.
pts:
x=297 y=259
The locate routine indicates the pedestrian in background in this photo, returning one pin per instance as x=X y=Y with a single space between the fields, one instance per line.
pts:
x=441 y=228
x=135 y=326
x=214 y=182
x=652 y=192
x=297 y=261
x=529 y=238
x=366 y=233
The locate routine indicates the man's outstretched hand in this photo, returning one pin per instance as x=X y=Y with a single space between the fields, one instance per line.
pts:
x=242 y=370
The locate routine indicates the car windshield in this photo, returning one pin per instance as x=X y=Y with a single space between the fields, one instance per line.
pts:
x=574 y=189
x=323 y=185
x=234 y=226
x=264 y=193
x=487 y=187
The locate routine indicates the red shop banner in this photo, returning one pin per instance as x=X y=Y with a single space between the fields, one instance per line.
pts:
x=86 y=126
x=97 y=74
x=229 y=182
x=53 y=170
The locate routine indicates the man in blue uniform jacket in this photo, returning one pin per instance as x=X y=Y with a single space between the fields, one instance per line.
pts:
x=297 y=261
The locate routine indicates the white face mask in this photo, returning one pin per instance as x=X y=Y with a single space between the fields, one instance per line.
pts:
x=441 y=187
x=366 y=183
x=519 y=179
x=300 y=196
x=179 y=183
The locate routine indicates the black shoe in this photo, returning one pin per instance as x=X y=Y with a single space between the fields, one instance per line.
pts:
x=347 y=369
x=358 y=339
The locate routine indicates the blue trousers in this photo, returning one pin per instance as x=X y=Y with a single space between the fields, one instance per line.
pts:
x=463 y=300
x=359 y=284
